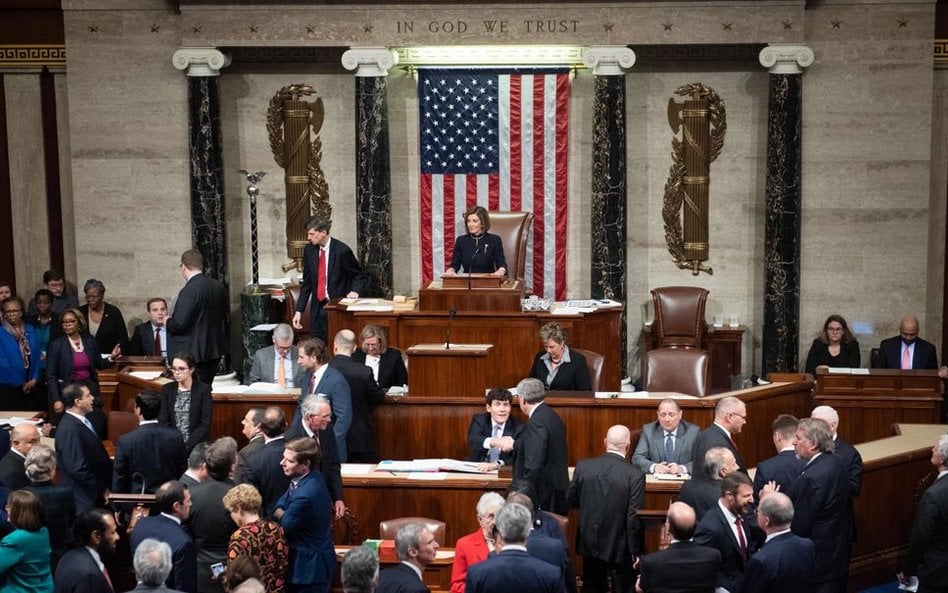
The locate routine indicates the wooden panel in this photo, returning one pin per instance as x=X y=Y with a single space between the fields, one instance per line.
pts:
x=463 y=370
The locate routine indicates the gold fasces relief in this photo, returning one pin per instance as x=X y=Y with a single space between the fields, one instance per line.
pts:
x=293 y=127
x=703 y=123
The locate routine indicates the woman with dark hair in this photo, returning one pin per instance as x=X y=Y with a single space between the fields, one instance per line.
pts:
x=58 y=501
x=25 y=553
x=259 y=538
x=836 y=347
x=186 y=403
x=478 y=251
x=19 y=358
x=103 y=321
x=558 y=366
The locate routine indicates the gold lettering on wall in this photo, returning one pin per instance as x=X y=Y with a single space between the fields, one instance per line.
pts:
x=453 y=27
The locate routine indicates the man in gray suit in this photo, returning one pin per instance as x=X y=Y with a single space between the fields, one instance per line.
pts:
x=267 y=361
x=666 y=445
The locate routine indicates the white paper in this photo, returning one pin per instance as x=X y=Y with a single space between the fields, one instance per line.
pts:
x=16 y=420
x=429 y=476
x=145 y=375
x=356 y=469
x=264 y=327
x=371 y=308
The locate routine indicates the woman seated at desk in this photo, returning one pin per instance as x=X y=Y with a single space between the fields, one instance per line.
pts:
x=836 y=347
x=386 y=363
x=477 y=251
x=558 y=366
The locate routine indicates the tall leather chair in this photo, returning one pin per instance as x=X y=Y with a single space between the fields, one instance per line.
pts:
x=388 y=529
x=679 y=370
x=594 y=362
x=514 y=229
x=679 y=317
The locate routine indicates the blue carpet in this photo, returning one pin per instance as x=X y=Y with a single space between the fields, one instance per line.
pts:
x=892 y=587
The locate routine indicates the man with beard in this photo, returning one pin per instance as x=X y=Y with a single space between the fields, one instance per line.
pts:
x=82 y=570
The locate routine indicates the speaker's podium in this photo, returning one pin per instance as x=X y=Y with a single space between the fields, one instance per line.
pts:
x=459 y=368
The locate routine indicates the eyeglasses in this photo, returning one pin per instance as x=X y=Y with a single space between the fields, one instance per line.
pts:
x=741 y=416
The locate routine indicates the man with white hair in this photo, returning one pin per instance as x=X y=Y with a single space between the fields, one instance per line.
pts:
x=846 y=452
x=152 y=562
x=360 y=571
x=928 y=546
x=541 y=458
x=277 y=363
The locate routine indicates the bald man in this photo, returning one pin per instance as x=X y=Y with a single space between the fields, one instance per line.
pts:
x=23 y=437
x=684 y=565
x=907 y=351
x=366 y=394
x=608 y=491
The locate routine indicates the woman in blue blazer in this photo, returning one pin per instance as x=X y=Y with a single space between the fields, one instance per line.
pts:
x=25 y=553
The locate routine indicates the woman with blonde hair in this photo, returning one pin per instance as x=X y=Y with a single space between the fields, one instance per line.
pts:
x=255 y=537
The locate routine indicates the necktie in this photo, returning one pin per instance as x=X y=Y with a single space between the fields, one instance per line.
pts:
x=740 y=537
x=669 y=448
x=105 y=573
x=319 y=450
x=281 y=372
x=321 y=276
x=292 y=485
x=157 y=341
x=312 y=385
x=87 y=423
x=494 y=454
x=906 y=358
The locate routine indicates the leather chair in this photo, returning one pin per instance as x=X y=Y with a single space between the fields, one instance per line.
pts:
x=562 y=522
x=679 y=370
x=594 y=362
x=291 y=296
x=679 y=317
x=120 y=423
x=388 y=529
x=514 y=229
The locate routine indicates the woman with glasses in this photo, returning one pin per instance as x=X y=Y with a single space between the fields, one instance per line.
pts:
x=836 y=347
x=474 y=547
x=19 y=358
x=186 y=403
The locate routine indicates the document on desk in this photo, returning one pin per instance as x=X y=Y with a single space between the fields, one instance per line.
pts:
x=428 y=465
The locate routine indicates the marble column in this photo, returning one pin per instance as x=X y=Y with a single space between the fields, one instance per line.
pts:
x=781 y=332
x=608 y=208
x=373 y=176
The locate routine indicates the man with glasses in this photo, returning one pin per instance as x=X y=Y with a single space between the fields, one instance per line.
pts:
x=23 y=437
x=277 y=363
x=666 y=445
x=730 y=416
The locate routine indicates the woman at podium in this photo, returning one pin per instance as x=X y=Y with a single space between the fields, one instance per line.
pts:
x=558 y=366
x=477 y=251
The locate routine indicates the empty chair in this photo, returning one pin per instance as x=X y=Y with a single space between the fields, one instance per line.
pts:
x=678 y=370
x=513 y=228
x=679 y=317
x=594 y=362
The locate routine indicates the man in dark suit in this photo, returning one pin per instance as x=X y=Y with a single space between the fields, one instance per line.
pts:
x=330 y=271
x=365 y=393
x=666 y=445
x=906 y=350
x=84 y=464
x=386 y=363
x=730 y=416
x=196 y=325
x=315 y=424
x=151 y=455
x=81 y=569
x=172 y=507
x=928 y=546
x=703 y=490
x=251 y=428
x=151 y=337
x=783 y=564
x=784 y=467
x=724 y=528
x=683 y=567
x=491 y=437
x=820 y=496
x=416 y=549
x=512 y=569
x=197 y=466
x=608 y=491
x=152 y=562
x=541 y=457
x=303 y=512
x=320 y=378
x=23 y=437
x=211 y=524
x=267 y=362
x=846 y=452
x=262 y=468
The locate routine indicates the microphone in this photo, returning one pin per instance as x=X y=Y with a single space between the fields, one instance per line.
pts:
x=447 y=332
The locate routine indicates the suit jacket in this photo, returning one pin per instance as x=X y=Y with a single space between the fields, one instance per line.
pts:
x=148 y=457
x=253 y=445
x=199 y=414
x=651 y=446
x=714 y=436
x=112 y=330
x=782 y=468
x=343 y=274
x=211 y=525
x=684 y=567
x=819 y=355
x=400 y=579
x=306 y=522
x=12 y=474
x=263 y=471
x=78 y=573
x=59 y=365
x=264 y=361
x=392 y=369
x=820 y=497
x=142 y=342
x=608 y=491
x=183 y=554
x=782 y=565
x=853 y=462
x=336 y=389
x=329 y=464
x=928 y=546
x=24 y=561
x=541 y=459
x=715 y=532
x=890 y=354
x=700 y=493
x=570 y=376
x=84 y=465
x=59 y=502
x=481 y=428
x=468 y=551
x=365 y=394
x=513 y=570
x=196 y=324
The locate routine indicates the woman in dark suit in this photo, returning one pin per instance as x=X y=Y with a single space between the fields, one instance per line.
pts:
x=103 y=321
x=836 y=347
x=478 y=251
x=186 y=403
x=558 y=366
x=386 y=363
x=58 y=501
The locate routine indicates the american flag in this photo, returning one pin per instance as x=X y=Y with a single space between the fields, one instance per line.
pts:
x=497 y=139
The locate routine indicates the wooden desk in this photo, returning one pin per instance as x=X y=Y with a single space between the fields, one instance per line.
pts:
x=515 y=336
x=868 y=405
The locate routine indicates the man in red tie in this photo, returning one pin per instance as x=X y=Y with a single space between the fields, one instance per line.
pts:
x=151 y=337
x=81 y=569
x=727 y=527
x=330 y=271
